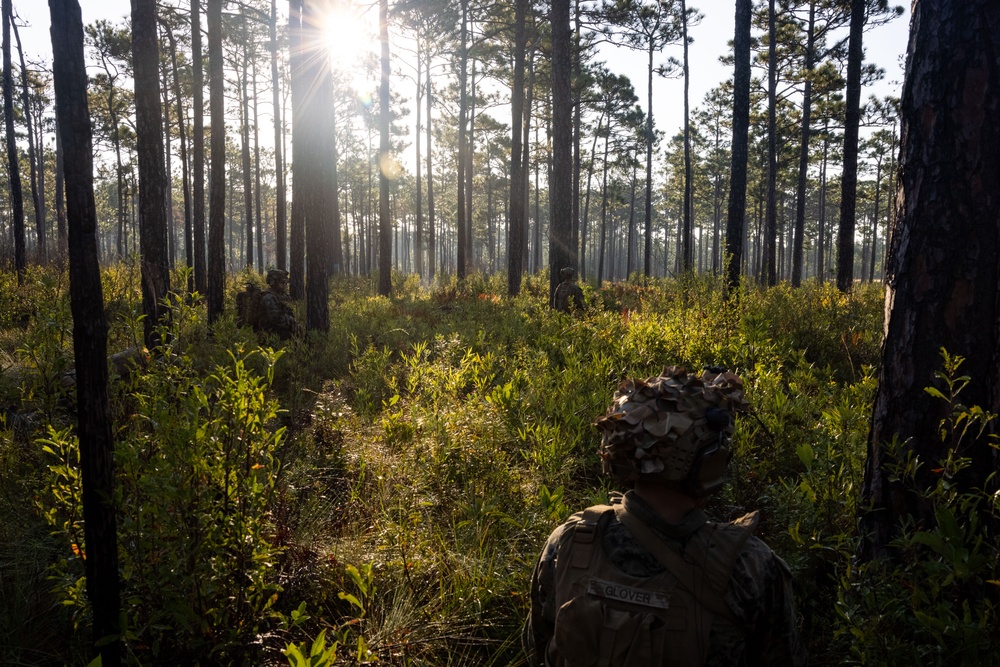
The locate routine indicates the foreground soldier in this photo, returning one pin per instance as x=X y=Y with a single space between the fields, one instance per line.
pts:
x=648 y=580
x=567 y=294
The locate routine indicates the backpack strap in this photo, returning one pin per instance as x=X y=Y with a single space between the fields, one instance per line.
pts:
x=586 y=533
x=693 y=573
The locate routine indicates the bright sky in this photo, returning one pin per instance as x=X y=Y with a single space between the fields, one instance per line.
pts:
x=883 y=45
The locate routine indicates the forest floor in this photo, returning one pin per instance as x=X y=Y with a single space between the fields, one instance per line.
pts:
x=384 y=488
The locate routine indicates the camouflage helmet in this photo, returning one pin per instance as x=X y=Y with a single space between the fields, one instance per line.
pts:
x=566 y=273
x=674 y=428
x=274 y=275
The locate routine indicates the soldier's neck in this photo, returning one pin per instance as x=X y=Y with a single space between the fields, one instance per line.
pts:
x=668 y=502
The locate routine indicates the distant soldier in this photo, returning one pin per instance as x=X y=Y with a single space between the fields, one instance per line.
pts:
x=648 y=580
x=568 y=295
x=268 y=311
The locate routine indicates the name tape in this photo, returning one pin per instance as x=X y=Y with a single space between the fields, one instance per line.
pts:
x=612 y=591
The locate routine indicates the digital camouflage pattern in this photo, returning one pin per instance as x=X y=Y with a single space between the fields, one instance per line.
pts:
x=275 y=316
x=759 y=593
x=655 y=427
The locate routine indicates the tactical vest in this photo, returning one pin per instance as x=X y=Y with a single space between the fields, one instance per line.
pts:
x=606 y=618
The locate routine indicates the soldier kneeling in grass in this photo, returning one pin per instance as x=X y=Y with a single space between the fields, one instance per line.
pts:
x=648 y=580
x=267 y=311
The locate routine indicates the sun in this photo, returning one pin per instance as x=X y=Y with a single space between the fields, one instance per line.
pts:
x=347 y=35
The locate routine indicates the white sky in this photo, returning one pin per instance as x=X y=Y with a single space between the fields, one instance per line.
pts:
x=883 y=45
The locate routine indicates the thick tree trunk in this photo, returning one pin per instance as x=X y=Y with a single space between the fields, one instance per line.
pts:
x=152 y=170
x=217 y=193
x=314 y=173
x=849 y=175
x=942 y=273
x=90 y=331
x=13 y=165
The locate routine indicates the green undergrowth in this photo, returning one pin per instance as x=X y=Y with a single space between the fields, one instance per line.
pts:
x=379 y=493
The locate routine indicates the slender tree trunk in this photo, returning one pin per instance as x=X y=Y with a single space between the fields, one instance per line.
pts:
x=198 y=153
x=463 y=61
x=561 y=250
x=217 y=193
x=800 y=196
x=647 y=261
x=296 y=232
x=418 y=204
x=604 y=212
x=152 y=172
x=90 y=331
x=770 y=269
x=515 y=241
x=60 y=192
x=185 y=175
x=317 y=102
x=688 y=247
x=13 y=166
x=256 y=172
x=470 y=155
x=245 y=147
x=735 y=215
x=34 y=175
x=168 y=200
x=849 y=177
x=384 y=221
x=280 y=231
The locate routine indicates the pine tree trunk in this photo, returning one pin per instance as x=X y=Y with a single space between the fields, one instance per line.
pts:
x=198 y=153
x=152 y=169
x=515 y=241
x=13 y=165
x=90 y=331
x=942 y=273
x=736 y=213
x=217 y=192
x=849 y=175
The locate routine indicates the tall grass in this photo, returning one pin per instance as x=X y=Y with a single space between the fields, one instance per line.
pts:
x=425 y=447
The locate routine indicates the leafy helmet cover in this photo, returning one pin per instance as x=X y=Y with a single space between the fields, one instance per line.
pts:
x=656 y=428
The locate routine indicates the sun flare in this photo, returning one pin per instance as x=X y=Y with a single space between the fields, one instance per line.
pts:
x=348 y=37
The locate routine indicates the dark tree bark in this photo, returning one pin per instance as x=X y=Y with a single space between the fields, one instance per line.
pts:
x=687 y=252
x=561 y=250
x=463 y=102
x=13 y=166
x=736 y=213
x=384 y=223
x=217 y=192
x=515 y=240
x=800 y=195
x=849 y=175
x=185 y=173
x=245 y=146
x=90 y=331
x=418 y=204
x=281 y=227
x=430 y=181
x=35 y=176
x=152 y=172
x=942 y=273
x=770 y=268
x=316 y=142
x=256 y=172
x=60 y=194
x=296 y=232
x=198 y=153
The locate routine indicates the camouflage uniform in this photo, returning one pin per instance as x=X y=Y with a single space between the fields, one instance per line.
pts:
x=759 y=593
x=276 y=316
x=568 y=294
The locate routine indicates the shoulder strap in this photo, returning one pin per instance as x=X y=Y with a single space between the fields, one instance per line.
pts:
x=586 y=532
x=690 y=573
